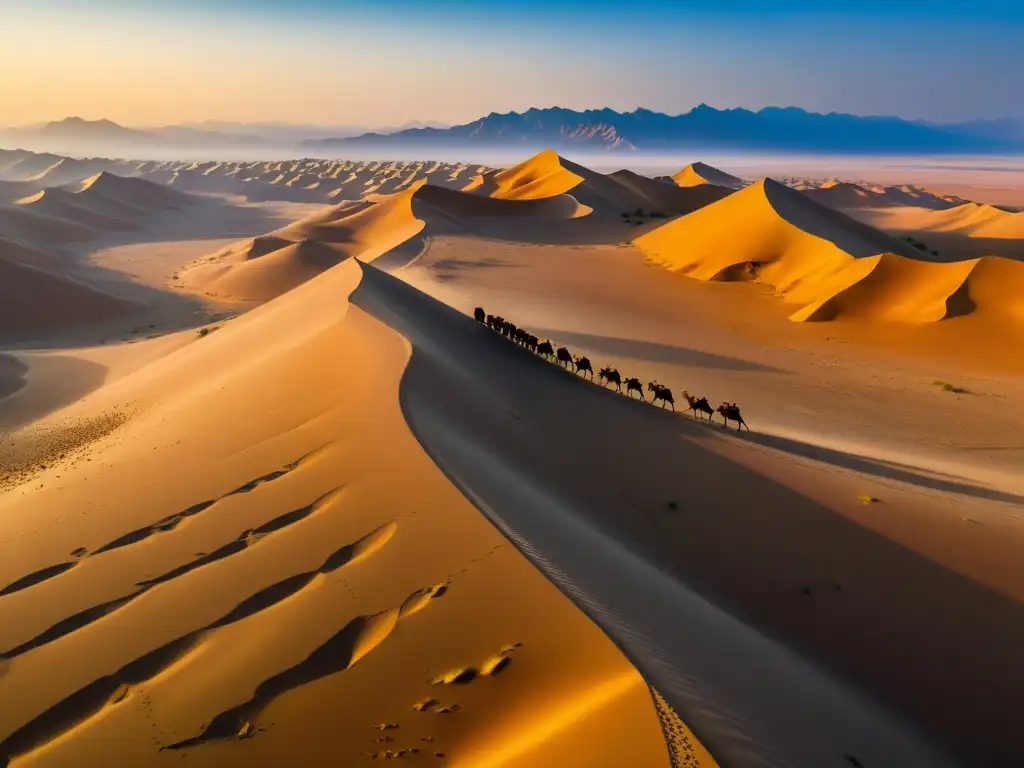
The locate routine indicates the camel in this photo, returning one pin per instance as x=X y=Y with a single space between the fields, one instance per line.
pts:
x=564 y=357
x=583 y=364
x=731 y=412
x=698 y=405
x=661 y=393
x=611 y=376
x=479 y=315
x=544 y=349
x=634 y=385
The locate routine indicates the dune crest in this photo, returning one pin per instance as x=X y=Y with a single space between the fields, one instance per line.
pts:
x=697 y=174
x=830 y=265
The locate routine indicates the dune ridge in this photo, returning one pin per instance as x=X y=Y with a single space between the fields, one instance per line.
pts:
x=548 y=175
x=830 y=265
x=263 y=267
x=324 y=601
x=698 y=174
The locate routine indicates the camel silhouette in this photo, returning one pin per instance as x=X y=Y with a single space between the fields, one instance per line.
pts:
x=634 y=385
x=583 y=365
x=699 y=405
x=611 y=376
x=731 y=412
x=661 y=393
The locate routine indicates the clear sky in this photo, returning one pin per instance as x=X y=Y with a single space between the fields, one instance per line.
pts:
x=379 y=62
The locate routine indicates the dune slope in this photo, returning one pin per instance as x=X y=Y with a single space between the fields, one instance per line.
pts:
x=830 y=265
x=33 y=300
x=301 y=586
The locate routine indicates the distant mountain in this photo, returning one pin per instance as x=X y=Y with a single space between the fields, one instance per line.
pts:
x=88 y=130
x=1006 y=129
x=408 y=126
x=770 y=129
x=267 y=132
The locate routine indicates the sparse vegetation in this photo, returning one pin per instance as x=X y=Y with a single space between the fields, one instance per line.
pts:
x=947 y=387
x=865 y=498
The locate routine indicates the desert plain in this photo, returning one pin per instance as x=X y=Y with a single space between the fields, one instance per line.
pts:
x=271 y=495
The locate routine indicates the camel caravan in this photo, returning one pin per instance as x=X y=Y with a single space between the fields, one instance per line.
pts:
x=608 y=376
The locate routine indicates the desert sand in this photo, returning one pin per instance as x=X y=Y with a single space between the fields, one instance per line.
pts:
x=322 y=515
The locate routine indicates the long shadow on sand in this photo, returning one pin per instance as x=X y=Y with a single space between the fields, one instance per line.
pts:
x=58 y=380
x=630 y=517
x=654 y=352
x=891 y=470
x=12 y=375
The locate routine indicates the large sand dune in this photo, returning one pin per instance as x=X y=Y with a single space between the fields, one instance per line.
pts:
x=830 y=265
x=548 y=175
x=61 y=204
x=381 y=223
x=302 y=584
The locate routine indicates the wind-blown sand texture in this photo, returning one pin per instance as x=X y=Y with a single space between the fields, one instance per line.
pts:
x=345 y=523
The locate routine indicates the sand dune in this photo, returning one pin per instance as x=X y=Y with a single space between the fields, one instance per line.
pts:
x=852 y=195
x=769 y=225
x=846 y=195
x=830 y=265
x=1005 y=227
x=34 y=301
x=261 y=268
x=22 y=224
x=138 y=193
x=548 y=175
x=278 y=598
x=21 y=254
x=30 y=164
x=61 y=204
x=351 y=525
x=254 y=276
x=56 y=216
x=967 y=219
x=11 y=191
x=698 y=174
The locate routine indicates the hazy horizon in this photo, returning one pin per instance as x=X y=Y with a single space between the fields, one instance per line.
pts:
x=154 y=62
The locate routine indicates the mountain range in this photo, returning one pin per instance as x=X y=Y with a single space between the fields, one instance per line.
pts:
x=772 y=129
x=209 y=133
x=704 y=127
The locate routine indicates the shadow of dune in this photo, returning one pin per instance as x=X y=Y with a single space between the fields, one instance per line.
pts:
x=783 y=632
x=85 y=703
x=46 y=384
x=12 y=375
x=904 y=473
x=654 y=352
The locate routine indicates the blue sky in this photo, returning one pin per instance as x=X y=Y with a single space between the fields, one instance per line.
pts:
x=389 y=61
